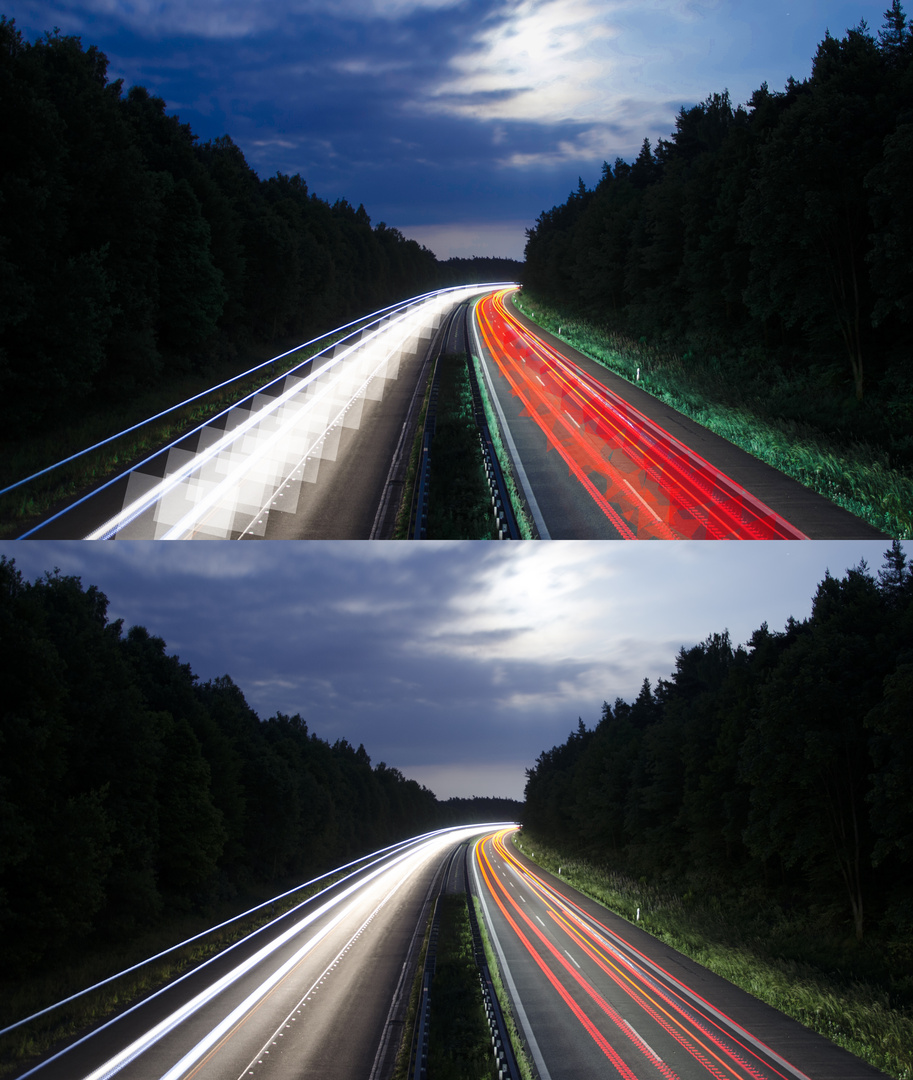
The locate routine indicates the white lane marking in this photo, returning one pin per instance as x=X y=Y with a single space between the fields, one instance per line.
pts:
x=662 y=979
x=271 y=1041
x=572 y=960
x=641 y=1039
x=129 y=1053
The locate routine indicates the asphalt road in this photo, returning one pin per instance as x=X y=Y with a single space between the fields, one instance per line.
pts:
x=317 y=454
x=562 y=506
x=596 y=996
x=311 y=995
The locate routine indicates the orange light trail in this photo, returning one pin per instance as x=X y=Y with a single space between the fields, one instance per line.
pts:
x=722 y=1053
x=646 y=482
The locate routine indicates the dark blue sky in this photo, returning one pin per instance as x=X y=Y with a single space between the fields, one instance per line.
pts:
x=457 y=663
x=456 y=121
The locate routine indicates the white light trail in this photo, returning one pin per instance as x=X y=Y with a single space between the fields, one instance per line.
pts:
x=274 y=444
x=425 y=847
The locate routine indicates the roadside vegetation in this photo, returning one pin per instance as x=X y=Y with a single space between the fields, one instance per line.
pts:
x=25 y=506
x=524 y=1063
x=24 y=997
x=756 y=266
x=459 y=499
x=142 y=806
x=779 y=957
x=759 y=410
x=755 y=806
x=459 y=1043
x=518 y=503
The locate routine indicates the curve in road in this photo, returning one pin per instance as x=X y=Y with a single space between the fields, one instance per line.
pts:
x=601 y=461
x=309 y=995
x=592 y=992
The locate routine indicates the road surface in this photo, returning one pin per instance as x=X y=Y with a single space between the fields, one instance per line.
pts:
x=600 y=459
x=596 y=996
x=307 y=457
x=313 y=994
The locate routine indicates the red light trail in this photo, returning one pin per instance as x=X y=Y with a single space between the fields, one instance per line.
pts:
x=708 y=1043
x=646 y=482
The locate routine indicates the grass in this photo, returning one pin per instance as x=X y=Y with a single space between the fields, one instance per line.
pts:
x=403 y=1064
x=757 y=407
x=459 y=1039
x=459 y=499
x=524 y=1064
x=773 y=956
x=27 y=505
x=26 y=996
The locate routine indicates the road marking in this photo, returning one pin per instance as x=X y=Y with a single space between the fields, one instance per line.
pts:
x=572 y=960
x=641 y=1039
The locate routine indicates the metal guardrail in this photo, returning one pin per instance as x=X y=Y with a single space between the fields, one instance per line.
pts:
x=505 y=1058
x=508 y=529
x=502 y=509
x=502 y=1050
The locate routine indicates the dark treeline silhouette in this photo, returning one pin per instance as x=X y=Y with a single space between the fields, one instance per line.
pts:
x=480 y=268
x=779 y=232
x=783 y=768
x=479 y=808
x=130 y=252
x=131 y=791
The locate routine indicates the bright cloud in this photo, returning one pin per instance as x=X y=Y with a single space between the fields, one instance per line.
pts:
x=540 y=60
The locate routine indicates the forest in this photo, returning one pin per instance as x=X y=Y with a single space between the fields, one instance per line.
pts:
x=780 y=769
x=131 y=792
x=773 y=239
x=132 y=253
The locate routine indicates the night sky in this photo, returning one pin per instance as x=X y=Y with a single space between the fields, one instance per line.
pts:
x=456 y=121
x=457 y=663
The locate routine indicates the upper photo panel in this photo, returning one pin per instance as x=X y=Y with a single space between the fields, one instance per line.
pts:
x=456 y=269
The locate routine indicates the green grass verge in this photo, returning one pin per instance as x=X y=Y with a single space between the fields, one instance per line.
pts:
x=403 y=1059
x=858 y=1015
x=762 y=415
x=459 y=499
x=527 y=1070
x=27 y=996
x=459 y=1039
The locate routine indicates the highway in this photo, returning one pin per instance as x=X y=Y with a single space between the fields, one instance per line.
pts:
x=596 y=996
x=320 y=452
x=306 y=457
x=600 y=459
x=319 y=992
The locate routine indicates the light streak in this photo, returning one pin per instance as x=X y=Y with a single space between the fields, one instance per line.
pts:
x=647 y=483
x=719 y=1044
x=380 y=862
x=275 y=443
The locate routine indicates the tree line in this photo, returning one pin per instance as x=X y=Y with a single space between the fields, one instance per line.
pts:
x=131 y=253
x=783 y=766
x=131 y=791
x=780 y=230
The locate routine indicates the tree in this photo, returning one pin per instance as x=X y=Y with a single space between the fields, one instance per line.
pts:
x=805 y=754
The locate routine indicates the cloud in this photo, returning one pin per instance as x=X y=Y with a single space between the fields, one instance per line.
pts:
x=232 y=20
x=457 y=663
x=541 y=60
